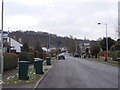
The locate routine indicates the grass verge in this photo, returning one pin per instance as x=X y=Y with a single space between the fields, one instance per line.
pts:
x=32 y=77
x=107 y=62
x=31 y=73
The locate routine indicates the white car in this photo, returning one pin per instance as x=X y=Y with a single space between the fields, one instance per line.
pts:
x=61 y=56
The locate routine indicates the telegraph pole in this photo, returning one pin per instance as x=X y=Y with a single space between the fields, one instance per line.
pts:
x=9 y=40
x=2 y=38
x=106 y=39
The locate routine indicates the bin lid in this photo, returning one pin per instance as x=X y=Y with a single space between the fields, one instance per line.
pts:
x=23 y=62
x=38 y=59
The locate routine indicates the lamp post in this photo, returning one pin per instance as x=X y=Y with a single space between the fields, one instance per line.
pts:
x=106 y=40
x=76 y=47
x=1 y=53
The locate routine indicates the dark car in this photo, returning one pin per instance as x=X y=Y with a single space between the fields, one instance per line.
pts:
x=77 y=55
x=61 y=56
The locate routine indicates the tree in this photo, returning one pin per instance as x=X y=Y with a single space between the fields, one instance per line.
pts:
x=103 y=43
x=25 y=47
x=87 y=50
x=38 y=47
x=95 y=49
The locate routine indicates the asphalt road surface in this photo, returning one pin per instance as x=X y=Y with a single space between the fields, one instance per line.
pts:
x=80 y=73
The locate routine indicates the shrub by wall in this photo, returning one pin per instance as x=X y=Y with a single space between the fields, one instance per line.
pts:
x=115 y=55
x=115 y=51
x=43 y=55
x=26 y=56
x=10 y=61
x=101 y=53
x=115 y=47
x=36 y=54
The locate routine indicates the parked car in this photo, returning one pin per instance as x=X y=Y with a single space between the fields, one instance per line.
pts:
x=61 y=56
x=77 y=55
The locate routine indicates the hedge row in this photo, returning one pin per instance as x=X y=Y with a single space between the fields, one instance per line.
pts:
x=115 y=51
x=115 y=54
x=43 y=55
x=29 y=56
x=115 y=47
x=10 y=61
x=36 y=54
x=26 y=56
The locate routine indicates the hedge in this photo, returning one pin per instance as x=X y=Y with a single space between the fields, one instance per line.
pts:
x=10 y=61
x=36 y=54
x=26 y=56
x=43 y=55
x=115 y=51
x=101 y=53
x=115 y=54
x=115 y=47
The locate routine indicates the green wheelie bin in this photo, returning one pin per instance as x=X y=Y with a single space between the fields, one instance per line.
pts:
x=38 y=65
x=48 y=60
x=23 y=70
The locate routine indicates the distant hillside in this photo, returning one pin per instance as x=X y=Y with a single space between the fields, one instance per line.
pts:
x=44 y=39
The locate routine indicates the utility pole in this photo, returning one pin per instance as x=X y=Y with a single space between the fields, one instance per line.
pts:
x=106 y=39
x=76 y=47
x=2 y=38
x=9 y=40
x=1 y=53
x=49 y=42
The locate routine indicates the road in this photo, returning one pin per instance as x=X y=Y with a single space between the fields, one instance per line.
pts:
x=80 y=73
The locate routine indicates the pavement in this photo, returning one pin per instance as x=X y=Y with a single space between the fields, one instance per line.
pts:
x=80 y=73
x=29 y=85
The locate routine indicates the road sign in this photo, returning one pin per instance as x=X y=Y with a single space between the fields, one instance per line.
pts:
x=5 y=35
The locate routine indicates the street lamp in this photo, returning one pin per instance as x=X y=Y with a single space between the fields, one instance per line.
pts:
x=1 y=53
x=106 y=39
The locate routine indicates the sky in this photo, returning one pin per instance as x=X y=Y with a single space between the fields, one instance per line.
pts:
x=78 y=18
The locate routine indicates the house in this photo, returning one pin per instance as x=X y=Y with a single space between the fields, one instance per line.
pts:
x=85 y=44
x=15 y=46
x=44 y=49
x=10 y=45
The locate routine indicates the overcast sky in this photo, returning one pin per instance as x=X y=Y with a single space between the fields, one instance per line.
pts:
x=78 y=18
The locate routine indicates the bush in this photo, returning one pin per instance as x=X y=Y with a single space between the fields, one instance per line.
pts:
x=26 y=56
x=10 y=61
x=115 y=51
x=36 y=54
x=115 y=47
x=43 y=55
x=115 y=55
x=95 y=49
x=101 y=53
